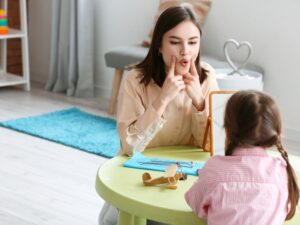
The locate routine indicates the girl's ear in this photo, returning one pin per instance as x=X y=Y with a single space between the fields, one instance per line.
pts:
x=227 y=135
x=227 y=132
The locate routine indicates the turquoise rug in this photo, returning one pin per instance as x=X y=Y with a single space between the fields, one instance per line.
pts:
x=72 y=127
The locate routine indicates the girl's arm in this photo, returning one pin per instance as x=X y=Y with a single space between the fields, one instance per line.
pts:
x=198 y=196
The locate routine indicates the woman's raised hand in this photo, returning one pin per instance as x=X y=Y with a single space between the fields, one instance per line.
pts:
x=173 y=84
x=193 y=86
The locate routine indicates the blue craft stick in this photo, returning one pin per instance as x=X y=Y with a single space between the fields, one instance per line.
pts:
x=139 y=161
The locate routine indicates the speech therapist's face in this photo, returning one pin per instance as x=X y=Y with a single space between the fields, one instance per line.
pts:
x=183 y=42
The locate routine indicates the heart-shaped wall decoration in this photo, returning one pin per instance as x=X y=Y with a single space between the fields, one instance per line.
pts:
x=237 y=45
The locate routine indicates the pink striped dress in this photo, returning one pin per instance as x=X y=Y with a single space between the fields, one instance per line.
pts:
x=247 y=188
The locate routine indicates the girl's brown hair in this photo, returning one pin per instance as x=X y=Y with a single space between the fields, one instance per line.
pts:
x=252 y=118
x=153 y=66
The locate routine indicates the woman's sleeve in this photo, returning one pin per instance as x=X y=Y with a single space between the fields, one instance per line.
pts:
x=137 y=122
x=199 y=119
x=198 y=197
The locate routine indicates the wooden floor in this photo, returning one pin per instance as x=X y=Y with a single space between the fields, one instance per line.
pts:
x=42 y=182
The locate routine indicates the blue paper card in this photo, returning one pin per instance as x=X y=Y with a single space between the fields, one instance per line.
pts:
x=139 y=161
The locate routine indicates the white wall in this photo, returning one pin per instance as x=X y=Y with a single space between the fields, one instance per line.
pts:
x=118 y=23
x=272 y=27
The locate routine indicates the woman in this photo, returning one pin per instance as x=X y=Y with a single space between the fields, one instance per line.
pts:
x=164 y=99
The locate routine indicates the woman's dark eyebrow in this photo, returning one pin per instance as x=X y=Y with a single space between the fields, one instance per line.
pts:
x=178 y=38
x=174 y=37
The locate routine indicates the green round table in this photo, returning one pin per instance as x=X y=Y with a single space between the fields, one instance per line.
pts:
x=123 y=188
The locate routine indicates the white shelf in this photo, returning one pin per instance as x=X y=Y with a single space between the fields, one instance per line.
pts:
x=9 y=79
x=12 y=33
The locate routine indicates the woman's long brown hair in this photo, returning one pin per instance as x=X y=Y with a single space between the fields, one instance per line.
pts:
x=252 y=118
x=153 y=66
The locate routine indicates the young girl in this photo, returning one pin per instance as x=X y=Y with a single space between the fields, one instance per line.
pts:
x=247 y=186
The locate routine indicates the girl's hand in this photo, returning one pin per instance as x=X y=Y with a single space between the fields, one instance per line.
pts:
x=193 y=87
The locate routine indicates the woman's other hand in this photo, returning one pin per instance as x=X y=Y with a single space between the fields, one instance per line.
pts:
x=193 y=86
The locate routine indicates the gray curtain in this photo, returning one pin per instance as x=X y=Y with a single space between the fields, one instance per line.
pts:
x=72 y=48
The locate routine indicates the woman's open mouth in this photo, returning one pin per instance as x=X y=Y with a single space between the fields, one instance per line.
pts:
x=184 y=62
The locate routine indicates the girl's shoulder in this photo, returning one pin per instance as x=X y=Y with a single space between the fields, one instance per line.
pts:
x=216 y=159
x=213 y=165
x=220 y=165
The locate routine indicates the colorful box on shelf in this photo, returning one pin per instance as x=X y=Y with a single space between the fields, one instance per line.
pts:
x=3 y=30
x=2 y=12
x=3 y=22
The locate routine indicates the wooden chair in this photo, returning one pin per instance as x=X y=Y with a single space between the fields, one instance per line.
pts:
x=120 y=58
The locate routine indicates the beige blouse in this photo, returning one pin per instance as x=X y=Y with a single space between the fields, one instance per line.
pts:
x=140 y=126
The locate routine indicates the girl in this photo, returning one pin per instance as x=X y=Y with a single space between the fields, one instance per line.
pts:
x=246 y=186
x=164 y=99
